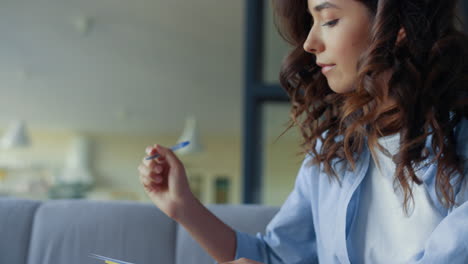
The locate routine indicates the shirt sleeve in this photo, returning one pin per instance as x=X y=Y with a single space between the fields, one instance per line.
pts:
x=290 y=236
x=448 y=242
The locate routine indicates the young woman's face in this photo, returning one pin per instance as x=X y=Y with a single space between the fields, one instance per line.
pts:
x=338 y=37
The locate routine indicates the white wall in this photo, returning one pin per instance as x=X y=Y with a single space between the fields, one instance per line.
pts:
x=130 y=80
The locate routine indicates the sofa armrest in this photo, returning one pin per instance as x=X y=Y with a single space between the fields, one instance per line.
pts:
x=15 y=229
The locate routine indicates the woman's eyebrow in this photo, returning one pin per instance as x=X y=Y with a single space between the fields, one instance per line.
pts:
x=324 y=5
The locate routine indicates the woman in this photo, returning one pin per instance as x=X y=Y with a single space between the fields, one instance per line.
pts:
x=379 y=91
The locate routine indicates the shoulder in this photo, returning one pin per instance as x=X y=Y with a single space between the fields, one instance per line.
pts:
x=310 y=156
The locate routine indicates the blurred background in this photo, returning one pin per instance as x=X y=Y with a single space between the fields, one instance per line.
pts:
x=87 y=85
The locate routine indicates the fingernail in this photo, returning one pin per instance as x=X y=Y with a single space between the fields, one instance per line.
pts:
x=148 y=149
x=153 y=151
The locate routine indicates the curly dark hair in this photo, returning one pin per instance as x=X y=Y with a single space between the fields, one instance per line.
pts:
x=428 y=83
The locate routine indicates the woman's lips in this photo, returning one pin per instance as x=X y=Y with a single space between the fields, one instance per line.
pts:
x=327 y=68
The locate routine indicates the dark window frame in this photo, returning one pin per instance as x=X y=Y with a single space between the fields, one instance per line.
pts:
x=256 y=94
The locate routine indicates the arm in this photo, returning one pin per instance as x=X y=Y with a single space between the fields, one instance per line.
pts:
x=448 y=242
x=166 y=184
x=290 y=236
x=213 y=235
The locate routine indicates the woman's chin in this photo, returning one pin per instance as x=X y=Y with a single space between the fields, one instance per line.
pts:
x=340 y=88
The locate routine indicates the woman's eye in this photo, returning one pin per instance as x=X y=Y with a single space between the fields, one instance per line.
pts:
x=331 y=23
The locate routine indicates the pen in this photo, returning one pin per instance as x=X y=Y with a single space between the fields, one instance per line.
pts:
x=109 y=260
x=173 y=148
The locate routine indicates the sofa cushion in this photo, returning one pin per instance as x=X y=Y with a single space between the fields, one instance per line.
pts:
x=16 y=217
x=67 y=231
x=246 y=218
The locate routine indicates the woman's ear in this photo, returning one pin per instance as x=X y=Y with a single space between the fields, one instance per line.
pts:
x=401 y=35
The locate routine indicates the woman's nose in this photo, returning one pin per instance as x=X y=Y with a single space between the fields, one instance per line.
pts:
x=312 y=44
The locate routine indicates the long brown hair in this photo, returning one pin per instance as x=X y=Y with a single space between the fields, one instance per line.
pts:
x=428 y=81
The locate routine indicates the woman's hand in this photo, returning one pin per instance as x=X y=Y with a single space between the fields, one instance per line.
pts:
x=165 y=181
x=242 y=261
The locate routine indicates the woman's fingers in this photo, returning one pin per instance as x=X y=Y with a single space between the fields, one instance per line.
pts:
x=146 y=181
x=160 y=160
x=167 y=158
x=167 y=154
x=150 y=151
x=148 y=163
x=152 y=164
x=155 y=173
x=149 y=176
x=146 y=171
x=151 y=171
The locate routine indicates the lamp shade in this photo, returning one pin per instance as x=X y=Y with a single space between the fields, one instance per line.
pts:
x=191 y=134
x=16 y=136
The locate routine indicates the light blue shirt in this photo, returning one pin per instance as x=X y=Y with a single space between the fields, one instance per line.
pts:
x=313 y=224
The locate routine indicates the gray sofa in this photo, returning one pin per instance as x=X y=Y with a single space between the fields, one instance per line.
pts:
x=67 y=231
